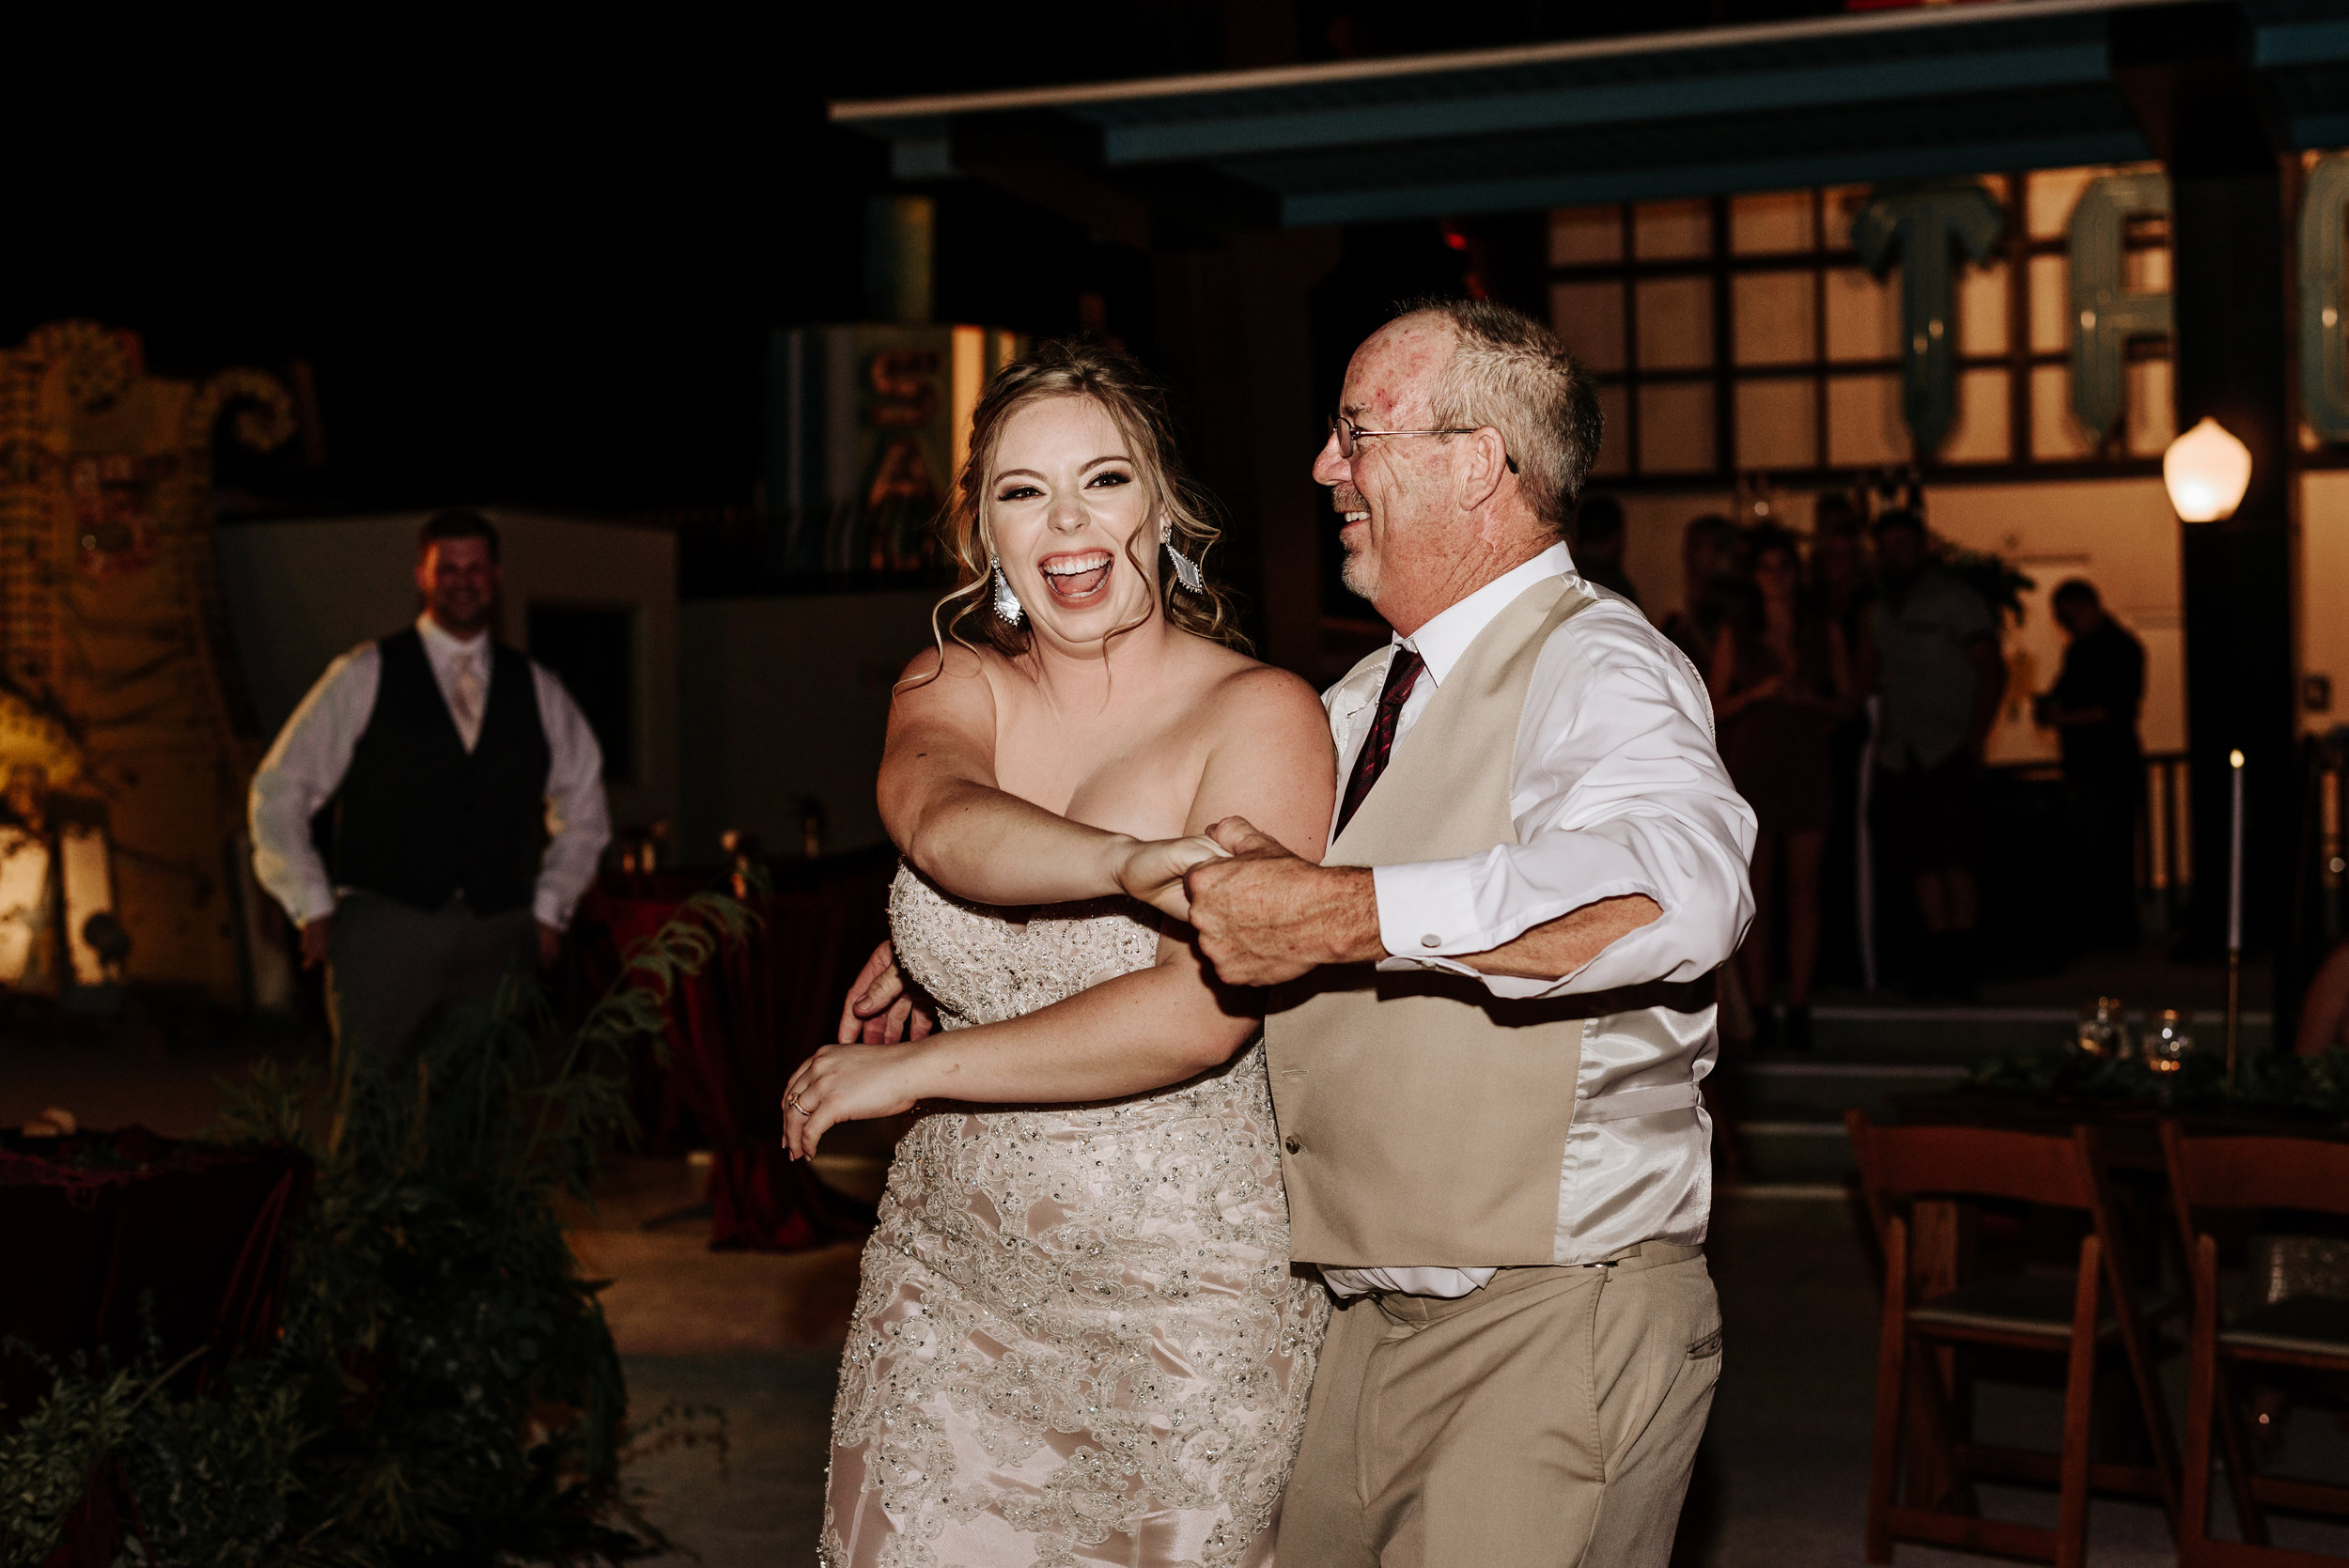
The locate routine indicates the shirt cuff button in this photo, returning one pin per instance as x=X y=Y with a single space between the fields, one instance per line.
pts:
x=1431 y=940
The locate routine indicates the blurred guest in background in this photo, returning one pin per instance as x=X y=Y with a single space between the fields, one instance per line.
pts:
x=447 y=759
x=1940 y=675
x=1782 y=681
x=1710 y=568
x=1842 y=589
x=1599 y=546
x=2092 y=709
x=2325 y=1010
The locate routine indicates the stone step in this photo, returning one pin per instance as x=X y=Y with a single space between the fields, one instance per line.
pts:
x=1800 y=1090
x=1773 y=1152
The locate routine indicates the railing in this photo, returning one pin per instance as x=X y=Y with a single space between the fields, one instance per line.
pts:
x=2165 y=840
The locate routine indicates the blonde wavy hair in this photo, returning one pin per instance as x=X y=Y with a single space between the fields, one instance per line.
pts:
x=1137 y=405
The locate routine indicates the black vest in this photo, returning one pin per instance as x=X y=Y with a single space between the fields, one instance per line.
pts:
x=418 y=817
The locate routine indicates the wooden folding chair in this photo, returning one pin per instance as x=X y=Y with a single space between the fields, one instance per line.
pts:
x=2303 y=1174
x=2093 y=1311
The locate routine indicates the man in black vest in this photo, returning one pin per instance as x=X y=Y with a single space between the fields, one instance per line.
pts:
x=458 y=792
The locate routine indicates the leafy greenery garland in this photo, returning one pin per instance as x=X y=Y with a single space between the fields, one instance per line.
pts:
x=2313 y=1086
x=445 y=1390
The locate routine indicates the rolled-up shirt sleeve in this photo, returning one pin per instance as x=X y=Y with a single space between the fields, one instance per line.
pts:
x=1617 y=790
x=578 y=820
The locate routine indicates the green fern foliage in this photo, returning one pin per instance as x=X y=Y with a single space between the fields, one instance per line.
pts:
x=445 y=1390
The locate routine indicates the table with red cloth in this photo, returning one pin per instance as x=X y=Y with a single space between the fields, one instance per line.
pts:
x=739 y=1029
x=112 y=1236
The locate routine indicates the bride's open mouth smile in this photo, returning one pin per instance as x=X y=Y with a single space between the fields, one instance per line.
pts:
x=1077 y=577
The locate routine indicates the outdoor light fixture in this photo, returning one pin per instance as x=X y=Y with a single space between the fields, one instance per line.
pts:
x=2206 y=471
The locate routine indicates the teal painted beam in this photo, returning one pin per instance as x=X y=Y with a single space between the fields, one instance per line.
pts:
x=1858 y=165
x=2319 y=133
x=2300 y=43
x=1730 y=91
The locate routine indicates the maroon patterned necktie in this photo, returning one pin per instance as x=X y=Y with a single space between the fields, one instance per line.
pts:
x=1378 y=745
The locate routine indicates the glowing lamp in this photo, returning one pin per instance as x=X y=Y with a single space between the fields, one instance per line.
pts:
x=2206 y=471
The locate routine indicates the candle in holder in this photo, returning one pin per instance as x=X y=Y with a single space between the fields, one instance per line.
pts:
x=2168 y=1040
x=2235 y=860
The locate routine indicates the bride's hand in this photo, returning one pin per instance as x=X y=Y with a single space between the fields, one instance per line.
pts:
x=1152 y=871
x=845 y=1084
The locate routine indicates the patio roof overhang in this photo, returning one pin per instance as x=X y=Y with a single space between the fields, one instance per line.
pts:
x=1910 y=93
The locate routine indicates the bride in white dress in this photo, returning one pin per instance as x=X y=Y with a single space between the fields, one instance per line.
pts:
x=1078 y=1338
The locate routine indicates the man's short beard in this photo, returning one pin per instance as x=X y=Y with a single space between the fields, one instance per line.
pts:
x=1358 y=576
x=481 y=620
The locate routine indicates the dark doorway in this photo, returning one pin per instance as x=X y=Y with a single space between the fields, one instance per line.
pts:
x=594 y=650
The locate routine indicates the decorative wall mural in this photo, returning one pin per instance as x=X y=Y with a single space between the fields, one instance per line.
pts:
x=124 y=747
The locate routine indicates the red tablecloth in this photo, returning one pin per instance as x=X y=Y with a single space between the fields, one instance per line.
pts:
x=110 y=1231
x=737 y=1030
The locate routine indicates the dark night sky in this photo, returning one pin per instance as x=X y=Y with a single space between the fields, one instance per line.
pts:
x=542 y=289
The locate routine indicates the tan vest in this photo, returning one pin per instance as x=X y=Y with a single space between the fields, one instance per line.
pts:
x=1423 y=1120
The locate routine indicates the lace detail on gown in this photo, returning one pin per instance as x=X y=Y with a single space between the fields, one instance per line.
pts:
x=1077 y=1336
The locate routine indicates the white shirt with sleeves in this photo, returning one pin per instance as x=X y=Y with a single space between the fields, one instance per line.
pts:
x=1617 y=790
x=305 y=766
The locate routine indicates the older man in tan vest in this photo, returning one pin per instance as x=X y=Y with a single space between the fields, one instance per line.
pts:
x=1494 y=1005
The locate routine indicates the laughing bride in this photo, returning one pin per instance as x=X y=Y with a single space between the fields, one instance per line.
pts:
x=1078 y=1333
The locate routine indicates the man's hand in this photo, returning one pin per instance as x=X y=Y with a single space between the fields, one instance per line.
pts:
x=1265 y=915
x=549 y=943
x=1153 y=871
x=882 y=1009
x=317 y=941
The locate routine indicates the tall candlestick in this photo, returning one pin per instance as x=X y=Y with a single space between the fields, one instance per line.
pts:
x=2235 y=922
x=2235 y=861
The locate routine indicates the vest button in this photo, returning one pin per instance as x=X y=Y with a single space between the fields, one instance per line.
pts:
x=1431 y=940
x=1291 y=1144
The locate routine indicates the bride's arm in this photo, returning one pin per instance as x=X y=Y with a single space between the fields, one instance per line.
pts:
x=944 y=811
x=1138 y=1032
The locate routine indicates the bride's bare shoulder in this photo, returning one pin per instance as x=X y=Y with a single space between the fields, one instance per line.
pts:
x=1258 y=702
x=952 y=667
x=949 y=677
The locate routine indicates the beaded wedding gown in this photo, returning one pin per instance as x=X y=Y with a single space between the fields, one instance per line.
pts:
x=1078 y=1339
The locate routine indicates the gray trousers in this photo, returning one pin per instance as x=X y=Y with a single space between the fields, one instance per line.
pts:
x=391 y=964
x=1551 y=1418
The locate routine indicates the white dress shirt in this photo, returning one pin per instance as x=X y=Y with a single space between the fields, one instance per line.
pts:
x=305 y=766
x=1616 y=790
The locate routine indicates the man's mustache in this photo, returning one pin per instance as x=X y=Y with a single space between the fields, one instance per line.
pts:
x=1345 y=498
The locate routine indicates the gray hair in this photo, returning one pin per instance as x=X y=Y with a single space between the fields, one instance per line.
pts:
x=1510 y=372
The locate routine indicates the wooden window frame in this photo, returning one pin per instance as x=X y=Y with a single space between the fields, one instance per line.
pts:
x=1721 y=266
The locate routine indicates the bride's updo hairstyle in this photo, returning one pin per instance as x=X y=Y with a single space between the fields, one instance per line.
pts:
x=1137 y=405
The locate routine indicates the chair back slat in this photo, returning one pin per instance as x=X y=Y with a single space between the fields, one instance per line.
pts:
x=1973 y=1162
x=2309 y=1174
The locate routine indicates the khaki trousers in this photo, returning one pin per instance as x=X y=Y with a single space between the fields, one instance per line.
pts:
x=1550 y=1418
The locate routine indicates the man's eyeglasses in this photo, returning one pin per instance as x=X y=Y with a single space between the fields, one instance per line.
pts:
x=1348 y=434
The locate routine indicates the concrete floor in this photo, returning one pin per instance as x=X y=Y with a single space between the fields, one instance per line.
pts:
x=743 y=1347
x=1780 y=1481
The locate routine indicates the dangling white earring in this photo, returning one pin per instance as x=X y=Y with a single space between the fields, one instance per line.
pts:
x=1006 y=602
x=1186 y=570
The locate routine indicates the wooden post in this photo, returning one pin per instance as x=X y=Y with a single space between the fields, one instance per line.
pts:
x=1235 y=335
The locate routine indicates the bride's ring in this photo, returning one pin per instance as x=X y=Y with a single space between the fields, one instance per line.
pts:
x=792 y=1100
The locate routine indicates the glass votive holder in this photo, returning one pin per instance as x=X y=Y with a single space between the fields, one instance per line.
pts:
x=2102 y=1033
x=2168 y=1040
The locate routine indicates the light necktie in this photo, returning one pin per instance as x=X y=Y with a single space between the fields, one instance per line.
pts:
x=1378 y=745
x=464 y=696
